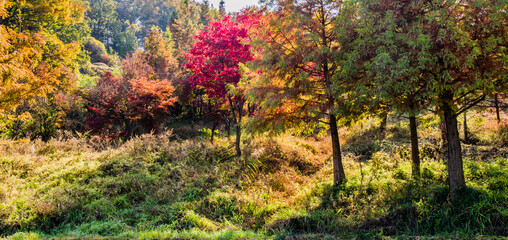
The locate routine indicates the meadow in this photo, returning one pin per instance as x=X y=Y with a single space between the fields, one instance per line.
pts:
x=176 y=184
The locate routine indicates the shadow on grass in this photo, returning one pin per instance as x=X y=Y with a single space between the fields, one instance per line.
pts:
x=416 y=211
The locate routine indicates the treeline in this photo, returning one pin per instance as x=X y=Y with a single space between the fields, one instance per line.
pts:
x=139 y=66
x=56 y=55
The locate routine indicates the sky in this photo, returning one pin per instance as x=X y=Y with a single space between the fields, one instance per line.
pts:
x=233 y=5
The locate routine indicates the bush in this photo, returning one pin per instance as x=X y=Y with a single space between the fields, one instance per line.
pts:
x=40 y=119
x=97 y=52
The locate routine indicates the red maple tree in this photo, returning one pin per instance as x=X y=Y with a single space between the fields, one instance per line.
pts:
x=214 y=61
x=116 y=105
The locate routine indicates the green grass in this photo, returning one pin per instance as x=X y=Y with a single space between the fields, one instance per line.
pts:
x=152 y=187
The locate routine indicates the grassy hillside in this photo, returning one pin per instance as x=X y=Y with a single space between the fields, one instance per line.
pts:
x=160 y=186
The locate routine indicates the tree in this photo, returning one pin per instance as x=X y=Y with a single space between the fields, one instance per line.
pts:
x=117 y=104
x=159 y=51
x=205 y=10
x=100 y=15
x=149 y=101
x=299 y=46
x=106 y=105
x=34 y=61
x=186 y=26
x=97 y=51
x=146 y=15
x=156 y=62
x=452 y=52
x=109 y=28
x=214 y=61
x=142 y=96
x=222 y=7
x=386 y=45
x=465 y=54
x=122 y=37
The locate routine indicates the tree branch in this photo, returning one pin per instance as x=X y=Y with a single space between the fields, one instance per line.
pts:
x=469 y=105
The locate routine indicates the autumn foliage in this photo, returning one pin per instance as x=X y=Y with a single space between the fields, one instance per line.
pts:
x=113 y=68
x=149 y=101
x=141 y=98
x=214 y=61
x=215 y=57
x=117 y=105
x=34 y=60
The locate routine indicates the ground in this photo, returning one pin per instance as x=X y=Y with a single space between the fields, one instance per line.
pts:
x=162 y=186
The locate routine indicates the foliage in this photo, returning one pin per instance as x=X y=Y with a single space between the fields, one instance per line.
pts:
x=214 y=59
x=119 y=34
x=116 y=104
x=97 y=51
x=34 y=60
x=215 y=64
x=190 y=19
x=37 y=120
x=150 y=100
x=105 y=101
x=142 y=96
x=136 y=65
x=72 y=110
x=160 y=54
x=97 y=161
x=299 y=45
x=156 y=62
x=415 y=52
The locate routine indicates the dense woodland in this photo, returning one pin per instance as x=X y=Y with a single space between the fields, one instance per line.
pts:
x=304 y=118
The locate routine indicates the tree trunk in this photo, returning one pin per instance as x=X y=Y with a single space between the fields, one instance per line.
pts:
x=250 y=109
x=384 y=120
x=455 y=166
x=382 y=127
x=128 y=128
x=214 y=126
x=496 y=102
x=237 y=142
x=338 y=170
x=415 y=153
x=228 y=126
x=466 y=137
x=238 y=106
x=239 y=128
x=444 y=144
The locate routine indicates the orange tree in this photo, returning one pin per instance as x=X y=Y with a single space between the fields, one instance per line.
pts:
x=142 y=96
x=115 y=104
x=38 y=46
x=299 y=45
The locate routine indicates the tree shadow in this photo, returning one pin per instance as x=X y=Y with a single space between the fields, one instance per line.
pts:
x=414 y=211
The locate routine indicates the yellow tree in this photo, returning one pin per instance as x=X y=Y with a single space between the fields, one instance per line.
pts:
x=160 y=54
x=34 y=61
